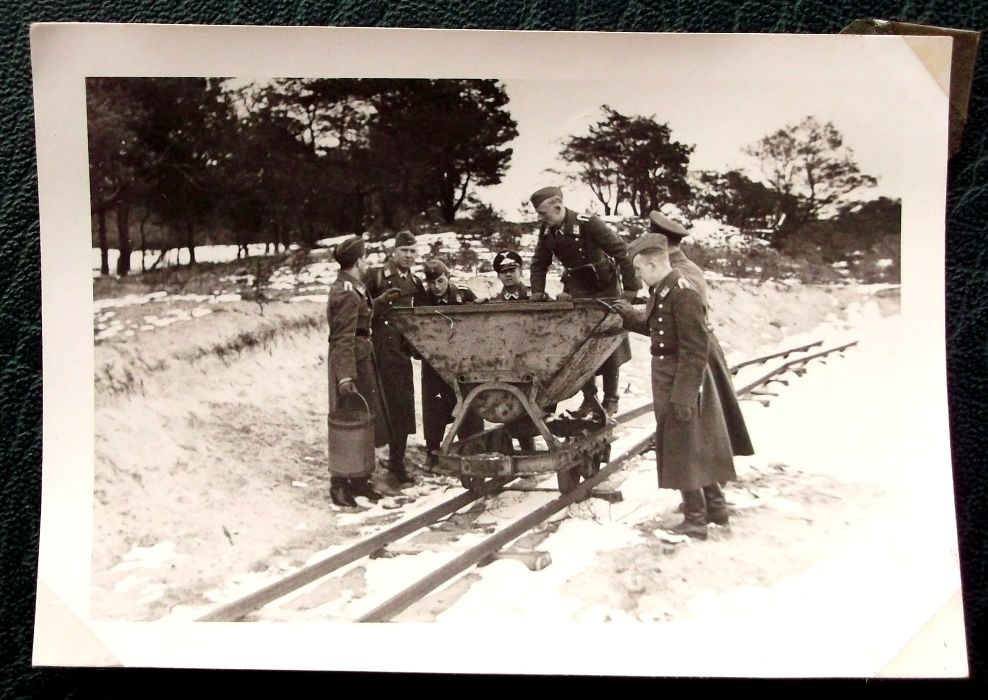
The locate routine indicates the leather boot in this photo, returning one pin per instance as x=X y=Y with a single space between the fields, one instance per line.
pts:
x=396 y=460
x=339 y=493
x=362 y=487
x=717 y=511
x=694 y=516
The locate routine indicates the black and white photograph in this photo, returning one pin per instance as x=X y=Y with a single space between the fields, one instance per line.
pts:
x=622 y=352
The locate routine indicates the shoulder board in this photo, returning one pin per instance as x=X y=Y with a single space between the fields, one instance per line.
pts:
x=683 y=284
x=348 y=286
x=583 y=217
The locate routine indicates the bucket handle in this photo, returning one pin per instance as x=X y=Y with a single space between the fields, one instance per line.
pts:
x=359 y=396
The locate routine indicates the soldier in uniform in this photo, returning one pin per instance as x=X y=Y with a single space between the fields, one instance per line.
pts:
x=351 y=365
x=596 y=263
x=396 y=285
x=507 y=265
x=693 y=449
x=438 y=398
x=736 y=428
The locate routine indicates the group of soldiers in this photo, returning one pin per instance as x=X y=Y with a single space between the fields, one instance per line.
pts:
x=699 y=424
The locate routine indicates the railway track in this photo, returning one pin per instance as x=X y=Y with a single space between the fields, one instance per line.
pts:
x=484 y=550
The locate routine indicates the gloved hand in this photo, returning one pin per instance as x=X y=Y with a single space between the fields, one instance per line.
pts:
x=629 y=294
x=347 y=386
x=563 y=296
x=388 y=296
x=539 y=296
x=683 y=411
x=623 y=307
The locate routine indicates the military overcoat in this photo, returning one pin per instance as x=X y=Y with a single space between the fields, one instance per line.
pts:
x=695 y=453
x=349 y=313
x=393 y=354
x=724 y=384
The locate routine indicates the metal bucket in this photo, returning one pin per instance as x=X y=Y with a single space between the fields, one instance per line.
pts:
x=351 y=438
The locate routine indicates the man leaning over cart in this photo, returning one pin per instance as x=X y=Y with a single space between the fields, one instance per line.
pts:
x=596 y=266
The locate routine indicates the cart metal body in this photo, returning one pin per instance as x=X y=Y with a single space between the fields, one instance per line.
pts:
x=511 y=363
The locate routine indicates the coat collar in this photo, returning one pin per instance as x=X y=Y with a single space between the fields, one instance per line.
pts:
x=566 y=227
x=392 y=270
x=452 y=296
x=357 y=283
x=513 y=292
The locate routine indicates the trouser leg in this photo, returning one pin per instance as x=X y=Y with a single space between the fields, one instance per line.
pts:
x=612 y=376
x=590 y=390
x=717 y=511
x=396 y=453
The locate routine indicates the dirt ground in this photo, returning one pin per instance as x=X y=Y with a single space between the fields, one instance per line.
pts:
x=210 y=456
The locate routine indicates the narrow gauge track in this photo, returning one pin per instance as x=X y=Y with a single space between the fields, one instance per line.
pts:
x=237 y=609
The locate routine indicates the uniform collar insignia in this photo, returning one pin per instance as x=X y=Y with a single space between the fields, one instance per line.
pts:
x=664 y=292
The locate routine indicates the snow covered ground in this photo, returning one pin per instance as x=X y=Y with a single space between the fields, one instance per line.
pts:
x=842 y=543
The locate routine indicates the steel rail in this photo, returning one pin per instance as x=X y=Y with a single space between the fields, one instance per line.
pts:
x=765 y=358
x=238 y=608
x=418 y=590
x=785 y=367
x=425 y=585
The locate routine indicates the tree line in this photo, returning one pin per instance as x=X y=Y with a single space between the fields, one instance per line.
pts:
x=803 y=182
x=296 y=160
x=292 y=160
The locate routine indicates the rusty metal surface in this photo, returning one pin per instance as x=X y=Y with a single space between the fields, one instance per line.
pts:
x=557 y=346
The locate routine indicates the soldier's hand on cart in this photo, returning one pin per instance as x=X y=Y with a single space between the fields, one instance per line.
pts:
x=539 y=296
x=347 y=386
x=683 y=411
x=563 y=296
x=388 y=296
x=622 y=307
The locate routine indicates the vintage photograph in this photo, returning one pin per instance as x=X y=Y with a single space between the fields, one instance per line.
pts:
x=648 y=355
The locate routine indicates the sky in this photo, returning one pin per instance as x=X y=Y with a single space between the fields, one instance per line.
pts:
x=719 y=117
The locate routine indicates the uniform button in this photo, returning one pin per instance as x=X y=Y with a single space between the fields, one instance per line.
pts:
x=662 y=332
x=662 y=357
x=660 y=319
x=662 y=345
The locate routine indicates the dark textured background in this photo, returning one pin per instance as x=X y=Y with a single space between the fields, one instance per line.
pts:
x=20 y=287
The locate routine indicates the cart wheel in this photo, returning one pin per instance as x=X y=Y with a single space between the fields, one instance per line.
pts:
x=474 y=484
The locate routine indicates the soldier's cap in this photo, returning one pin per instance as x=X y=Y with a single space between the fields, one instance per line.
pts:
x=404 y=239
x=673 y=230
x=349 y=251
x=506 y=260
x=647 y=242
x=539 y=196
x=434 y=269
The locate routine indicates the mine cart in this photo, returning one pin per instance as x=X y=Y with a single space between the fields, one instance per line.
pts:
x=511 y=363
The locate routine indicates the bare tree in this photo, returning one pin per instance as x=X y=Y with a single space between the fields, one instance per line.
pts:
x=809 y=162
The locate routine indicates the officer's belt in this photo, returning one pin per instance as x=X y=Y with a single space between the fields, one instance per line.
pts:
x=360 y=333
